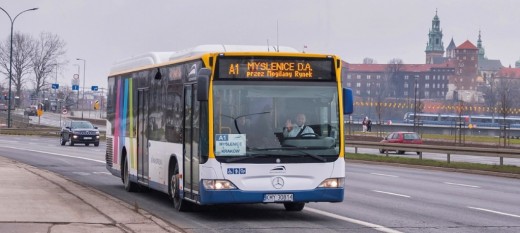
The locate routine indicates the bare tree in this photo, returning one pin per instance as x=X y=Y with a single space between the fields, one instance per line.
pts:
x=48 y=50
x=369 y=60
x=392 y=71
x=23 y=48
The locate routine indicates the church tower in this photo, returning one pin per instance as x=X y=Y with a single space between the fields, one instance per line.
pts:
x=435 y=46
x=481 y=51
x=450 y=50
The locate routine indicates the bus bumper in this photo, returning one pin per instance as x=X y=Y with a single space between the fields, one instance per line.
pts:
x=209 y=197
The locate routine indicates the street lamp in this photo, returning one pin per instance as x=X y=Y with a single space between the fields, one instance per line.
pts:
x=415 y=105
x=84 y=74
x=11 y=61
x=77 y=96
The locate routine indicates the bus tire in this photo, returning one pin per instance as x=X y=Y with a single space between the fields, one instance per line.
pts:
x=178 y=203
x=129 y=185
x=294 y=206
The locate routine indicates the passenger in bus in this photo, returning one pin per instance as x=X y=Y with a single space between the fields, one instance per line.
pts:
x=296 y=130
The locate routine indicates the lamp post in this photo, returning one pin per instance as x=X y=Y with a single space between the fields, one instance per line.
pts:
x=84 y=74
x=415 y=105
x=77 y=96
x=11 y=61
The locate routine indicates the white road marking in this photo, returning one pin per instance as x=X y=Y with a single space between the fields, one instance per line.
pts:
x=355 y=221
x=394 y=194
x=103 y=173
x=464 y=185
x=380 y=174
x=495 y=212
x=82 y=173
x=51 y=153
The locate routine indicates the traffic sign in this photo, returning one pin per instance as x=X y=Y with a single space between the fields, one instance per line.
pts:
x=94 y=88
x=55 y=86
x=96 y=105
x=75 y=87
x=76 y=76
x=64 y=111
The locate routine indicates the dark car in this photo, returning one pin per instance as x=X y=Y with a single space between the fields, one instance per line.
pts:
x=79 y=132
x=402 y=137
x=30 y=111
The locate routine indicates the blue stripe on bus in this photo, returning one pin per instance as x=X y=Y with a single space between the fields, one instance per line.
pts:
x=238 y=196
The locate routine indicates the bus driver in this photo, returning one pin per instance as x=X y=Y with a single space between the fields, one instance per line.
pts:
x=298 y=129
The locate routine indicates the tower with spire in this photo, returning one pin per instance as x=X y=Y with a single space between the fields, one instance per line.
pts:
x=481 y=51
x=434 y=46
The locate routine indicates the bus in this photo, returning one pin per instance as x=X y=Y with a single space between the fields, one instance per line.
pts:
x=205 y=126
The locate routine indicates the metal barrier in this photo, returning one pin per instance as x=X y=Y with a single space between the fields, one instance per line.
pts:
x=448 y=150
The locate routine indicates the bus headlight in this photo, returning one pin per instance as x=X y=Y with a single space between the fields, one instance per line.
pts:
x=218 y=184
x=332 y=183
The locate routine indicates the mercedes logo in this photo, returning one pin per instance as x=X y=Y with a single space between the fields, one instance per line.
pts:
x=277 y=182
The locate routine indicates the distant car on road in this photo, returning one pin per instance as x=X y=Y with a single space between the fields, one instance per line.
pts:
x=3 y=107
x=30 y=111
x=76 y=131
x=402 y=137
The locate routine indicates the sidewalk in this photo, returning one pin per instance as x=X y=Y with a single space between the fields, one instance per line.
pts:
x=34 y=200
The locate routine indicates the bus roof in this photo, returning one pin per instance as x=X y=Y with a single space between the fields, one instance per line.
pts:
x=153 y=58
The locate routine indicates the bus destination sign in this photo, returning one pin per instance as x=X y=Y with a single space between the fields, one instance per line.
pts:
x=275 y=68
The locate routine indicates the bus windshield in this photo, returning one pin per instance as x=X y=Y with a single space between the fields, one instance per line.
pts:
x=274 y=118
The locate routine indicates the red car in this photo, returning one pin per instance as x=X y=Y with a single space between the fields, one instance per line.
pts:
x=402 y=137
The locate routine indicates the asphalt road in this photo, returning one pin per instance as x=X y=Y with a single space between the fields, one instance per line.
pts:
x=441 y=157
x=377 y=198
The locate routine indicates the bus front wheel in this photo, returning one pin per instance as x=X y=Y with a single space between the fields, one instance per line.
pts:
x=294 y=206
x=178 y=202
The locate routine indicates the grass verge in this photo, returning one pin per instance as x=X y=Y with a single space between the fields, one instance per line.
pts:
x=435 y=163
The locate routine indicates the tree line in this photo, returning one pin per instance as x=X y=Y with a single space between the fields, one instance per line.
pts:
x=35 y=60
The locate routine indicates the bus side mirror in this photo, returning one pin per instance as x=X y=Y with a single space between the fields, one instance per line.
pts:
x=348 y=101
x=203 y=84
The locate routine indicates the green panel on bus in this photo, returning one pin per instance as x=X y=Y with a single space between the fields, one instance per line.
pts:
x=247 y=67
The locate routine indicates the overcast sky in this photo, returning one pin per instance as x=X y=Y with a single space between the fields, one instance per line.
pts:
x=105 y=31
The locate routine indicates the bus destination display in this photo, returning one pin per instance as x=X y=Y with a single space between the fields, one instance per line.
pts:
x=274 y=68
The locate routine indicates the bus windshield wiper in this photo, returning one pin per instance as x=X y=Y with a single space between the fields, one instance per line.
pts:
x=317 y=157
x=246 y=157
x=250 y=155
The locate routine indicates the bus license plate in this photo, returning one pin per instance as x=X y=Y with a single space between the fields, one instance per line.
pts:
x=87 y=138
x=278 y=197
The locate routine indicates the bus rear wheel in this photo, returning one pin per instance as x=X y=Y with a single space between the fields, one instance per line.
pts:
x=178 y=203
x=129 y=185
x=294 y=206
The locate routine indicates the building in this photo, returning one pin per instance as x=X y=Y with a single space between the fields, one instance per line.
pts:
x=435 y=46
x=398 y=81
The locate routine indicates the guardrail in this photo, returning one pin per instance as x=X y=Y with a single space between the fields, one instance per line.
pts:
x=448 y=150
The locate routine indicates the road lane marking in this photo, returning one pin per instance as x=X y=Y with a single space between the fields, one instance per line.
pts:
x=51 y=153
x=103 y=173
x=351 y=220
x=389 y=193
x=381 y=174
x=464 y=185
x=495 y=212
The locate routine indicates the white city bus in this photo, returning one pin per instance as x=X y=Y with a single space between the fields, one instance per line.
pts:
x=206 y=126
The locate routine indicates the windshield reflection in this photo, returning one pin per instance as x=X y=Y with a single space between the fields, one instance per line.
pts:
x=263 y=120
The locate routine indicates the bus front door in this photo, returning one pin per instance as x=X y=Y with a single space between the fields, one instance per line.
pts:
x=191 y=141
x=142 y=136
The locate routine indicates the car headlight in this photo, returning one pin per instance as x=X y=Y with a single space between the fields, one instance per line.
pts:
x=332 y=183
x=74 y=136
x=218 y=184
